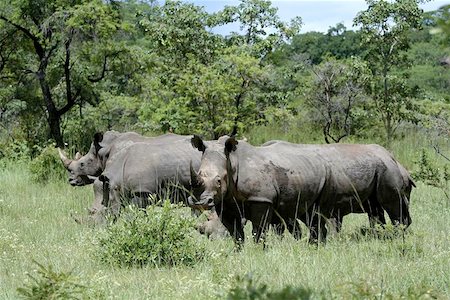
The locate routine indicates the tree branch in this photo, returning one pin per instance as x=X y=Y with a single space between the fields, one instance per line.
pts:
x=38 y=47
x=104 y=69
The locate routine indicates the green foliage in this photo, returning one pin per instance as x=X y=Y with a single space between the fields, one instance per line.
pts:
x=178 y=32
x=338 y=42
x=15 y=151
x=427 y=171
x=47 y=166
x=85 y=66
x=156 y=236
x=245 y=288
x=385 y=28
x=336 y=91
x=43 y=40
x=263 y=30
x=50 y=284
x=442 y=20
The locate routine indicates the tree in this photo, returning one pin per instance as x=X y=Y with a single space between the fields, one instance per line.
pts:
x=336 y=90
x=263 y=32
x=385 y=26
x=261 y=27
x=178 y=31
x=43 y=45
x=442 y=16
x=203 y=99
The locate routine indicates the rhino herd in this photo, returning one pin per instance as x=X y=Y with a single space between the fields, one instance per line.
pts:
x=276 y=184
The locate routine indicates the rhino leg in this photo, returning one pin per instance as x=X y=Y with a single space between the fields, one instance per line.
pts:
x=232 y=221
x=376 y=214
x=291 y=224
x=316 y=222
x=140 y=199
x=98 y=197
x=294 y=228
x=261 y=216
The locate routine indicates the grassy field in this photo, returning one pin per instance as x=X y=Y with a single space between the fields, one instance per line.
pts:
x=36 y=224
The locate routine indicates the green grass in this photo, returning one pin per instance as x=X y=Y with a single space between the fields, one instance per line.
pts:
x=36 y=223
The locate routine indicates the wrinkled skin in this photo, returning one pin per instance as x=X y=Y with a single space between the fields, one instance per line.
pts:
x=308 y=182
x=141 y=169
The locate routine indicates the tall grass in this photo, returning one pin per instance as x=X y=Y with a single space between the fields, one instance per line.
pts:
x=36 y=224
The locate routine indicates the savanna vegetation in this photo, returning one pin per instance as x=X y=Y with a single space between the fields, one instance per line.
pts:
x=71 y=68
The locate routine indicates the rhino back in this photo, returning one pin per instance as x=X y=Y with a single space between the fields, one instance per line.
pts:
x=144 y=167
x=115 y=142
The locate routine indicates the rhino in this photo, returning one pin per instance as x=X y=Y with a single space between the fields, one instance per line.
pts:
x=372 y=208
x=142 y=169
x=85 y=169
x=286 y=181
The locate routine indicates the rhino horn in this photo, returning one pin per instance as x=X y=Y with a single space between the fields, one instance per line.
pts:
x=78 y=156
x=66 y=161
x=195 y=179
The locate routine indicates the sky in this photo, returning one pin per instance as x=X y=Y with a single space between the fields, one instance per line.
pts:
x=316 y=15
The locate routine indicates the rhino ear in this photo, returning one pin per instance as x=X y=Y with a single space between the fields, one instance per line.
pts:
x=230 y=145
x=98 y=137
x=197 y=142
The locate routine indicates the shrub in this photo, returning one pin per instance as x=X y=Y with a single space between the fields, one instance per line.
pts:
x=154 y=236
x=427 y=171
x=15 y=151
x=50 y=284
x=47 y=166
x=245 y=288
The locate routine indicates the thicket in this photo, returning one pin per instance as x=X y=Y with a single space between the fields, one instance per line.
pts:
x=156 y=236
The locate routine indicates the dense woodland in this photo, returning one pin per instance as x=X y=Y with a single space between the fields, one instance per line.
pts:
x=70 y=68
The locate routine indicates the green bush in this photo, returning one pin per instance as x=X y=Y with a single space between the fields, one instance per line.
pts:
x=156 y=236
x=15 y=151
x=245 y=288
x=426 y=171
x=50 y=284
x=47 y=166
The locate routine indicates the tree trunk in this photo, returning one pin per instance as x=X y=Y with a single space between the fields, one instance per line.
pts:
x=53 y=117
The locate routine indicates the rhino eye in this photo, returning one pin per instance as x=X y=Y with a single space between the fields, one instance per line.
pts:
x=82 y=165
x=218 y=182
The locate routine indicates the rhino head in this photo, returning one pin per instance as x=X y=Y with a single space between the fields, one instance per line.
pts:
x=211 y=183
x=84 y=168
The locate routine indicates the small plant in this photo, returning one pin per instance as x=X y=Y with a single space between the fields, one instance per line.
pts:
x=156 y=236
x=432 y=175
x=246 y=288
x=366 y=290
x=427 y=172
x=49 y=284
x=47 y=166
